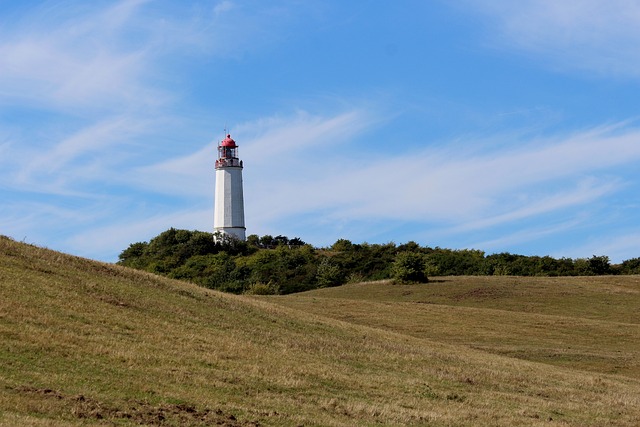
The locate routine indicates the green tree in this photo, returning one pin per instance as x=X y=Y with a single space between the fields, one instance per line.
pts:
x=262 y=289
x=212 y=271
x=410 y=246
x=630 y=266
x=281 y=240
x=409 y=267
x=342 y=245
x=458 y=262
x=600 y=265
x=267 y=241
x=328 y=274
x=253 y=240
x=296 y=241
x=133 y=256
x=581 y=267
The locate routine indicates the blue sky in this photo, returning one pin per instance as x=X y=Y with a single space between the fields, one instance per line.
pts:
x=487 y=124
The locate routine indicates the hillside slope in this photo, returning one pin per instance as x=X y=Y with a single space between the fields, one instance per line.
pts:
x=89 y=343
x=581 y=323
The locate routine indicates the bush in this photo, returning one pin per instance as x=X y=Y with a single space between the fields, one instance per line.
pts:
x=328 y=274
x=289 y=265
x=409 y=267
x=263 y=289
x=599 y=265
x=631 y=266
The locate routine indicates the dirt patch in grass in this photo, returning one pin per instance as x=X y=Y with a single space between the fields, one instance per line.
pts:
x=482 y=293
x=139 y=412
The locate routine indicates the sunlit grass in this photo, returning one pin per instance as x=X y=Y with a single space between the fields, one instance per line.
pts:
x=86 y=343
x=587 y=323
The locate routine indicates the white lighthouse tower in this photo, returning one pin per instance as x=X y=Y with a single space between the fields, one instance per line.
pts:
x=228 y=217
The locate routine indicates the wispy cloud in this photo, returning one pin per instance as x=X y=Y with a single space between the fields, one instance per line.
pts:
x=441 y=184
x=454 y=191
x=274 y=147
x=595 y=35
x=74 y=60
x=222 y=7
x=115 y=236
x=531 y=234
x=305 y=166
x=272 y=137
x=617 y=246
x=104 y=109
x=191 y=175
x=76 y=159
x=96 y=95
x=584 y=192
x=451 y=191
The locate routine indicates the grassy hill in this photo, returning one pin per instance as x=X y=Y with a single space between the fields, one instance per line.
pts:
x=87 y=343
x=589 y=323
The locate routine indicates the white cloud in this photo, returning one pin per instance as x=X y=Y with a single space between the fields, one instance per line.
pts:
x=619 y=247
x=454 y=185
x=584 y=192
x=106 y=241
x=79 y=60
x=72 y=164
x=478 y=191
x=33 y=220
x=99 y=93
x=222 y=7
x=99 y=137
x=529 y=234
x=190 y=175
x=276 y=136
x=597 y=35
x=277 y=147
x=100 y=228
x=94 y=99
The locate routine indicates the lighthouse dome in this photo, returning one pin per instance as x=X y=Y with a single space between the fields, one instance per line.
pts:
x=228 y=142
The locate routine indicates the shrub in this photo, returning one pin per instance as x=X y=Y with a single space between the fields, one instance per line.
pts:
x=260 y=288
x=409 y=267
x=328 y=274
x=631 y=266
x=599 y=265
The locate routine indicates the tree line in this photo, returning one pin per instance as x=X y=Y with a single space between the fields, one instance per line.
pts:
x=279 y=265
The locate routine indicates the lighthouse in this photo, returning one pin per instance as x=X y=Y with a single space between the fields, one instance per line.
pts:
x=228 y=217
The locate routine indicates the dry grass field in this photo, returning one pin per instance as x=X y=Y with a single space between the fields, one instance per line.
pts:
x=86 y=343
x=585 y=323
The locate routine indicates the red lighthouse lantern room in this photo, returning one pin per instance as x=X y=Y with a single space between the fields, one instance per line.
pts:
x=228 y=154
